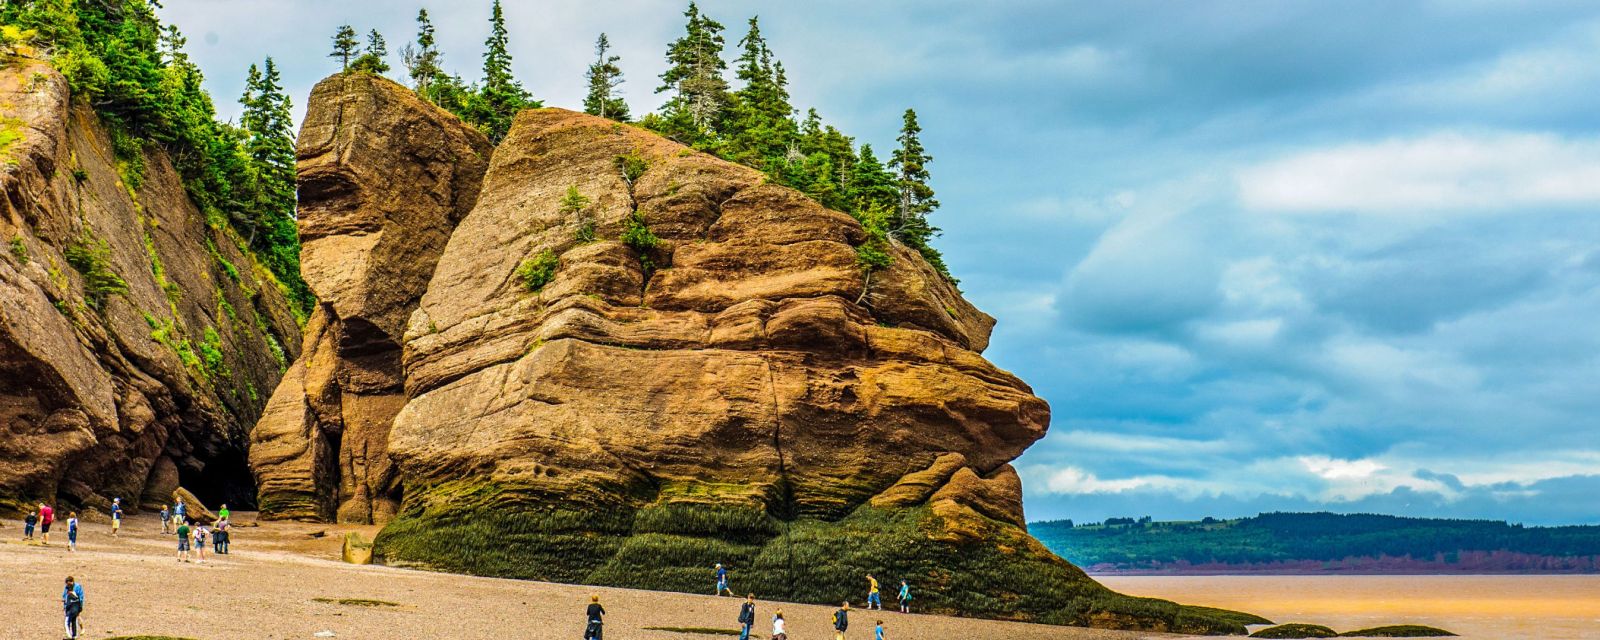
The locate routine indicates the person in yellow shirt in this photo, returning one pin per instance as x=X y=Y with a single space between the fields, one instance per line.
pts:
x=873 y=599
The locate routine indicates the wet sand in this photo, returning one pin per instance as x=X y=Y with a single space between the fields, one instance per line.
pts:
x=268 y=588
x=1489 y=607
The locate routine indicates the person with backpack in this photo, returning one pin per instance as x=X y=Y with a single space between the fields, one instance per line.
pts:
x=116 y=516
x=47 y=516
x=183 y=541
x=166 y=520
x=905 y=597
x=72 y=532
x=874 y=600
x=595 y=629
x=841 y=621
x=200 y=532
x=72 y=605
x=778 y=632
x=29 y=522
x=747 y=616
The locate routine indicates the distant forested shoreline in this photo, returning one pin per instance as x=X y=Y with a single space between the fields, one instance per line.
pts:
x=1314 y=543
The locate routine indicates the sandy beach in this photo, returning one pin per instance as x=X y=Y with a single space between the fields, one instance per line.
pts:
x=282 y=582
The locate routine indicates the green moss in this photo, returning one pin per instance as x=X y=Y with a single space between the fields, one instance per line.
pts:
x=632 y=166
x=211 y=355
x=1399 y=631
x=538 y=271
x=19 y=250
x=11 y=132
x=1236 y=616
x=1296 y=630
x=91 y=257
x=491 y=529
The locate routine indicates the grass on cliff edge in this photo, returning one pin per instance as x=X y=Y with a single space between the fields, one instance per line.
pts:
x=673 y=548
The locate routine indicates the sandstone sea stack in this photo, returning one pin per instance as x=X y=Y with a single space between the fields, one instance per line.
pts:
x=569 y=402
x=138 y=343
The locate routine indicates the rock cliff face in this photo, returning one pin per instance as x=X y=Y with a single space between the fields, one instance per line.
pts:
x=384 y=178
x=573 y=401
x=137 y=343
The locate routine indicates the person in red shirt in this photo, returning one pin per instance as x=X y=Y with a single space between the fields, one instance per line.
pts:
x=46 y=516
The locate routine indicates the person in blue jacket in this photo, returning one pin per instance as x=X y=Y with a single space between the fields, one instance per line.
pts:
x=72 y=604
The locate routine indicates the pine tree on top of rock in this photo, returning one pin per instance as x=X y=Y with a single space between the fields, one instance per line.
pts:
x=344 y=46
x=604 y=77
x=373 y=59
x=761 y=124
x=502 y=96
x=422 y=61
x=910 y=219
x=694 y=76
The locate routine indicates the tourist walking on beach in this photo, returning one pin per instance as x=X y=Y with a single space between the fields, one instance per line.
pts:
x=877 y=632
x=47 y=516
x=183 y=541
x=28 y=523
x=874 y=600
x=219 y=537
x=180 y=512
x=116 y=516
x=778 y=632
x=72 y=605
x=200 y=532
x=166 y=520
x=722 y=580
x=841 y=621
x=596 y=617
x=905 y=597
x=72 y=532
x=747 y=616
x=222 y=513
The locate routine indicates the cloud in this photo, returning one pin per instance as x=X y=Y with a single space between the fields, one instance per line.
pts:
x=1440 y=172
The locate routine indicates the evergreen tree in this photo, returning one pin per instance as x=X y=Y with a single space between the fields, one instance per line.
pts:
x=344 y=46
x=423 y=61
x=604 y=77
x=871 y=185
x=761 y=129
x=694 y=75
x=268 y=132
x=374 y=58
x=502 y=96
x=909 y=221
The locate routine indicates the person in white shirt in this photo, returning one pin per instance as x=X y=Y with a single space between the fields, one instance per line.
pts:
x=777 y=626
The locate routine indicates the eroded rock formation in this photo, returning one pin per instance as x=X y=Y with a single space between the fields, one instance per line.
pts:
x=574 y=402
x=106 y=392
x=383 y=179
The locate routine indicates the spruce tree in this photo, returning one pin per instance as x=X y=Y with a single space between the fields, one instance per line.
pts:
x=604 y=78
x=269 y=146
x=344 y=46
x=502 y=96
x=762 y=128
x=909 y=221
x=374 y=58
x=423 y=61
x=694 y=75
x=871 y=185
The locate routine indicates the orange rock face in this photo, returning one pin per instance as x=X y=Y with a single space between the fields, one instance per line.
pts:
x=110 y=394
x=383 y=179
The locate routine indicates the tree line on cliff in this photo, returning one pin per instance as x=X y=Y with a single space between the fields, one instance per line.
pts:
x=118 y=58
x=756 y=124
x=1276 y=538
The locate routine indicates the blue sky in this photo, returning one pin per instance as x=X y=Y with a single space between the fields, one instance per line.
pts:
x=1257 y=255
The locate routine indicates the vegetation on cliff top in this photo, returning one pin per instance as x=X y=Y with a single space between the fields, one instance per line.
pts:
x=1127 y=543
x=118 y=57
x=755 y=124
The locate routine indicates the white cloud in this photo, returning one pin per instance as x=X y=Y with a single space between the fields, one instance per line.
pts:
x=1458 y=172
x=1335 y=469
x=1076 y=481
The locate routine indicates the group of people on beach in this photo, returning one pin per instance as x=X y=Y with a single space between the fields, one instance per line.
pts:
x=841 y=617
x=193 y=535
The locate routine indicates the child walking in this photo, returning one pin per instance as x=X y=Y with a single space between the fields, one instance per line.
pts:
x=28 y=523
x=72 y=532
x=116 y=516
